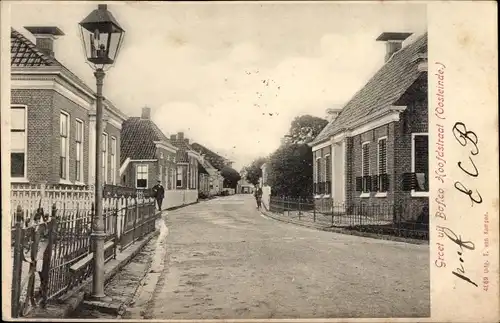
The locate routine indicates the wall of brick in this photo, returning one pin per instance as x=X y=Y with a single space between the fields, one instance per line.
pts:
x=40 y=133
x=130 y=173
x=412 y=120
x=61 y=103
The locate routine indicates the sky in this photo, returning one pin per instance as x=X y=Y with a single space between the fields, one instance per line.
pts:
x=232 y=75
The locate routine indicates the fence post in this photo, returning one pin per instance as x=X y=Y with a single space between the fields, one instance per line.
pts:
x=314 y=211
x=17 y=268
x=115 y=233
x=299 y=207
x=332 y=208
x=135 y=218
x=47 y=257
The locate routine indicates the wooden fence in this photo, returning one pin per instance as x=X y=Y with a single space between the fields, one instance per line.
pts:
x=52 y=247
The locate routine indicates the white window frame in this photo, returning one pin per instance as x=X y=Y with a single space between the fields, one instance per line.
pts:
x=363 y=144
x=25 y=171
x=142 y=172
x=178 y=172
x=173 y=178
x=81 y=143
x=328 y=169
x=413 y=135
x=113 y=159
x=68 y=138
x=380 y=193
x=104 y=156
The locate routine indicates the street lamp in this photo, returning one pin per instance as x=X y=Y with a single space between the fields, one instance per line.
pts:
x=102 y=37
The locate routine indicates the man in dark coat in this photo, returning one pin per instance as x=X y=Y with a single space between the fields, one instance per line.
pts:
x=258 y=196
x=159 y=194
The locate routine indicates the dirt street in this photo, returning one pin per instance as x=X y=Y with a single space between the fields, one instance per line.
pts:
x=225 y=260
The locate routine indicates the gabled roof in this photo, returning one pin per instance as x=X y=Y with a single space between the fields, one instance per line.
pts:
x=138 y=138
x=381 y=91
x=24 y=53
x=215 y=159
x=183 y=148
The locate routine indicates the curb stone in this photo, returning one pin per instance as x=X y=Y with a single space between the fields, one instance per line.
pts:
x=145 y=291
x=346 y=231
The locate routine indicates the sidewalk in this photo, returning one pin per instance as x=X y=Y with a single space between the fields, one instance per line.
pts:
x=73 y=300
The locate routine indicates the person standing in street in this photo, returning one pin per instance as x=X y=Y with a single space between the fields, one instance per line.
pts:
x=159 y=194
x=258 y=196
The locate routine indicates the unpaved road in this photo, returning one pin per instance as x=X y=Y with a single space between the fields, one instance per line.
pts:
x=224 y=260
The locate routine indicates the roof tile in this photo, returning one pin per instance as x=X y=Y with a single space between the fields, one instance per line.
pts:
x=138 y=137
x=382 y=90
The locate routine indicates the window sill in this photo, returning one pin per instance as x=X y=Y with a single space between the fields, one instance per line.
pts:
x=80 y=184
x=419 y=194
x=19 y=180
x=317 y=196
x=381 y=194
x=65 y=182
x=364 y=195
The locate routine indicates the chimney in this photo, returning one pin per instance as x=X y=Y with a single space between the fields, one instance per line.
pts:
x=332 y=113
x=146 y=113
x=173 y=137
x=45 y=36
x=394 y=42
x=180 y=135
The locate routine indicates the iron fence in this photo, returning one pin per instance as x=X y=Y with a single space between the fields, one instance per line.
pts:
x=398 y=219
x=52 y=252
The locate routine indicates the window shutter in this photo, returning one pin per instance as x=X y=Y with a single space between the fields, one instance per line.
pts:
x=374 y=183
x=368 y=183
x=385 y=182
x=359 y=184
x=408 y=181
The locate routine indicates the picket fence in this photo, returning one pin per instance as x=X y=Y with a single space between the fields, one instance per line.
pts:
x=51 y=237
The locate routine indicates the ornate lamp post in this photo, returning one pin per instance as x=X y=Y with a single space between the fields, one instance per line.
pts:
x=102 y=37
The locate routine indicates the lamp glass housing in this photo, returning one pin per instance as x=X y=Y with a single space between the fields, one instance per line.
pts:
x=101 y=37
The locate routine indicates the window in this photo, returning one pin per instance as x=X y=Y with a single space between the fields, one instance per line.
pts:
x=113 y=160
x=141 y=176
x=79 y=151
x=105 y=157
x=18 y=141
x=382 y=179
x=328 y=173
x=64 y=134
x=420 y=162
x=172 y=178
x=179 y=176
x=365 y=166
x=317 y=175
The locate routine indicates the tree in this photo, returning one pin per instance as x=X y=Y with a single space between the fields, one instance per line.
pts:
x=231 y=177
x=253 y=172
x=305 y=128
x=291 y=170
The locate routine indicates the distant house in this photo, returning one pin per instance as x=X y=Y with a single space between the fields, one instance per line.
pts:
x=244 y=187
x=210 y=179
x=375 y=151
x=148 y=156
x=217 y=163
x=53 y=117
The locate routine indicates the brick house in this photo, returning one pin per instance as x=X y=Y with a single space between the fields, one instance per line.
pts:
x=147 y=155
x=53 y=117
x=375 y=151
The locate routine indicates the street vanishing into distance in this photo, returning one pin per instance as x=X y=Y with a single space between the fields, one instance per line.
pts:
x=223 y=259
